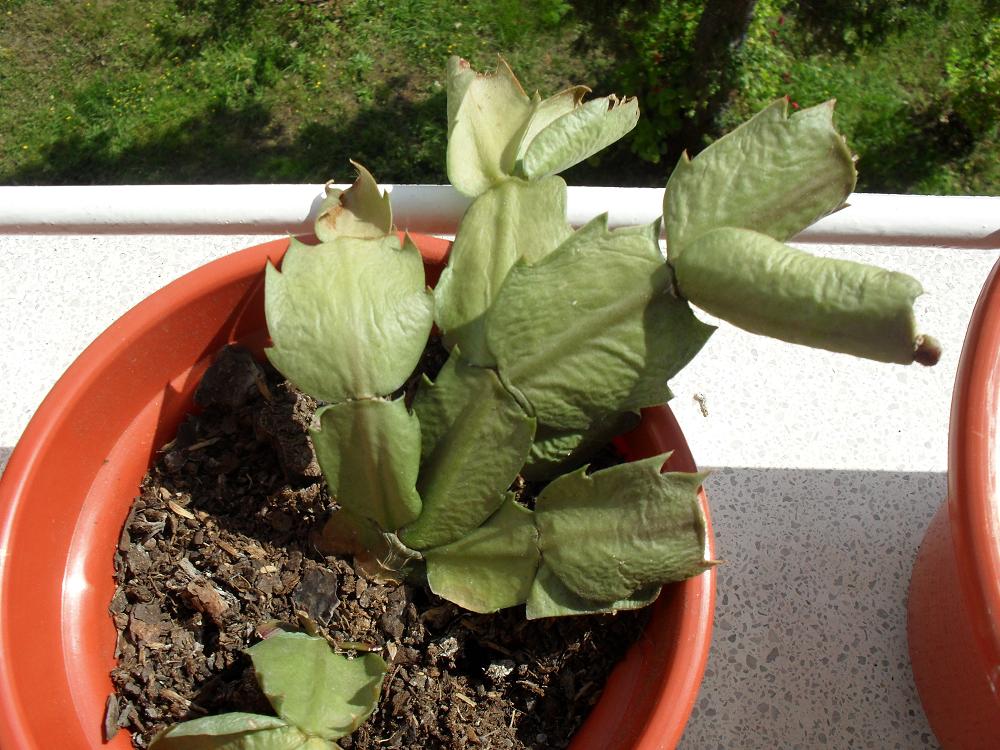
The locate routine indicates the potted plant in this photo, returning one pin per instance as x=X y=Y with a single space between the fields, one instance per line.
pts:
x=556 y=339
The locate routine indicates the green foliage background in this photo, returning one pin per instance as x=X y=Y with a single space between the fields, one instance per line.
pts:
x=158 y=91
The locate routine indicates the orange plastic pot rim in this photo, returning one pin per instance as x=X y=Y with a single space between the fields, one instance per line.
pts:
x=690 y=637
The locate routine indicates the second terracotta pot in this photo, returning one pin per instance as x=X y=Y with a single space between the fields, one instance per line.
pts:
x=954 y=603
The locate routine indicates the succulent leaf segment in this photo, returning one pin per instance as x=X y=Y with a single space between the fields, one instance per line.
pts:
x=557 y=338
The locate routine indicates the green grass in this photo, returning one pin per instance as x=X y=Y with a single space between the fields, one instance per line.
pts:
x=241 y=91
x=187 y=91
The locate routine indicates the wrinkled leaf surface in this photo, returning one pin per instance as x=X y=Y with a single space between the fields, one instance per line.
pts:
x=774 y=174
x=608 y=534
x=767 y=287
x=593 y=329
x=349 y=318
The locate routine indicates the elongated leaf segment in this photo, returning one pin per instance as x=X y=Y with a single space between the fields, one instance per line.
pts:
x=727 y=213
x=476 y=439
x=576 y=135
x=513 y=220
x=369 y=451
x=543 y=113
x=485 y=113
x=503 y=148
x=319 y=696
x=769 y=288
x=349 y=319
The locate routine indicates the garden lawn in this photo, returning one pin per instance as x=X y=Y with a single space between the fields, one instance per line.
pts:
x=229 y=91
x=188 y=91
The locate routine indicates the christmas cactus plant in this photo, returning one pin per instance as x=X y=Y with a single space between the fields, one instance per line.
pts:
x=557 y=337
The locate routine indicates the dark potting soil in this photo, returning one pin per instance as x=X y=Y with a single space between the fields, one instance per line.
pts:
x=219 y=545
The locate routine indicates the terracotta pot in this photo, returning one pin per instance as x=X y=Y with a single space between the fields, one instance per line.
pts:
x=72 y=478
x=954 y=604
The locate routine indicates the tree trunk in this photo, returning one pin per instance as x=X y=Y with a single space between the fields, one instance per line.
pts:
x=721 y=31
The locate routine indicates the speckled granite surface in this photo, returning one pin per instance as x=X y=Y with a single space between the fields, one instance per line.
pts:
x=828 y=471
x=810 y=642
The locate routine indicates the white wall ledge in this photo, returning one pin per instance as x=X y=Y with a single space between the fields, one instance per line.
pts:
x=868 y=219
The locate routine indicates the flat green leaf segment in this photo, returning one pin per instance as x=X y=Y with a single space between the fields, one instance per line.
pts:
x=475 y=441
x=578 y=135
x=767 y=287
x=485 y=113
x=349 y=318
x=233 y=731
x=580 y=349
x=370 y=455
x=550 y=597
x=515 y=219
x=774 y=174
x=490 y=568
x=361 y=211
x=319 y=691
x=496 y=131
x=555 y=452
x=649 y=523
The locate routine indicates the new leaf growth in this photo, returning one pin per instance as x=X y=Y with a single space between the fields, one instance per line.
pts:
x=318 y=695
